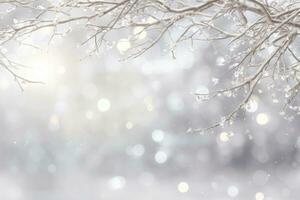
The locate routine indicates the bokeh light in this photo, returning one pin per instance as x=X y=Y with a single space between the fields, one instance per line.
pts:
x=183 y=187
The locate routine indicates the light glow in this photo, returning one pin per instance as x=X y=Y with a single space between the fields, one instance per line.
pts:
x=262 y=119
x=183 y=187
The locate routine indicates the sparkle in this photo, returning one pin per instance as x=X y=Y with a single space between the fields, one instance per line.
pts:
x=232 y=191
x=224 y=137
x=220 y=61
x=262 y=119
x=103 y=105
x=183 y=187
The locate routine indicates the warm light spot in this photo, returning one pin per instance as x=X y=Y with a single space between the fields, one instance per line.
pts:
x=224 y=137
x=103 y=105
x=123 y=45
x=183 y=187
x=46 y=67
x=262 y=119
x=259 y=196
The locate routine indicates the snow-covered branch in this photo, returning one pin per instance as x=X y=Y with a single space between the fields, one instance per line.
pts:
x=262 y=34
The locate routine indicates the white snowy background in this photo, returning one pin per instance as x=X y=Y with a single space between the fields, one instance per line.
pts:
x=101 y=128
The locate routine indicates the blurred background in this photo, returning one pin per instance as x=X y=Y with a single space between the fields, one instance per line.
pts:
x=104 y=128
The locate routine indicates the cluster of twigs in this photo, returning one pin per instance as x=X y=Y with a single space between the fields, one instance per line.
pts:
x=263 y=32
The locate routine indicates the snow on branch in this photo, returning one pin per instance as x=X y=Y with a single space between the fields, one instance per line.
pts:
x=263 y=34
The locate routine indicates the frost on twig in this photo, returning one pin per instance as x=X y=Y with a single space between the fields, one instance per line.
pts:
x=261 y=35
